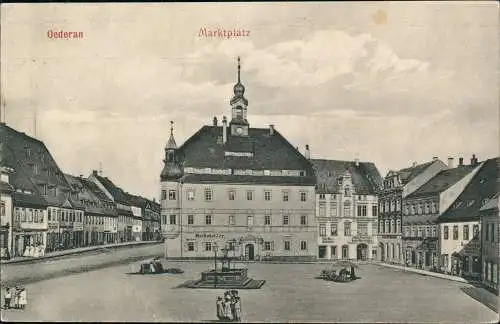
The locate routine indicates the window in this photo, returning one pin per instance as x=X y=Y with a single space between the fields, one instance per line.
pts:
x=445 y=232
x=267 y=220
x=208 y=246
x=208 y=194
x=303 y=219
x=347 y=192
x=232 y=194
x=347 y=229
x=492 y=238
x=190 y=246
x=303 y=245
x=455 y=232
x=466 y=232
x=285 y=219
x=445 y=260
x=285 y=195
x=333 y=209
x=322 y=196
x=398 y=226
x=172 y=219
x=322 y=230
x=374 y=211
x=287 y=245
x=190 y=219
x=333 y=229
x=232 y=220
x=345 y=252
x=249 y=195
x=268 y=246
x=2 y=209
x=163 y=195
x=190 y=194
x=322 y=209
x=208 y=219
x=303 y=196
x=347 y=210
x=427 y=231
x=475 y=230
x=267 y=195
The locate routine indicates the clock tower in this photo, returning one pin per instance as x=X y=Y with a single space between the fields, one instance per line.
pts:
x=239 y=124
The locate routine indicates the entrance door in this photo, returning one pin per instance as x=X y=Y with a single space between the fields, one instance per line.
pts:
x=249 y=252
x=362 y=251
x=321 y=251
x=382 y=252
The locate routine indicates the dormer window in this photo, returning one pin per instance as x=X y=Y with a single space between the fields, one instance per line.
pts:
x=28 y=151
x=347 y=192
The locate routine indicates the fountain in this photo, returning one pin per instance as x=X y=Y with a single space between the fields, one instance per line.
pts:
x=225 y=277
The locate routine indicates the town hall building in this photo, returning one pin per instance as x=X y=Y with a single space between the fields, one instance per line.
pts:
x=246 y=190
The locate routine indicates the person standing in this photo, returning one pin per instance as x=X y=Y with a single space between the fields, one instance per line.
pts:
x=220 y=307
x=228 y=316
x=237 y=309
x=22 y=298
x=8 y=297
x=15 y=296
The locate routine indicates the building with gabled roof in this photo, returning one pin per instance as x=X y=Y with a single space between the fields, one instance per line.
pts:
x=6 y=191
x=490 y=242
x=397 y=185
x=237 y=186
x=346 y=208
x=460 y=222
x=40 y=186
x=100 y=220
x=421 y=210
x=129 y=215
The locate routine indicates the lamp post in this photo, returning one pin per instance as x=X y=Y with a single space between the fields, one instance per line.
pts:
x=215 y=264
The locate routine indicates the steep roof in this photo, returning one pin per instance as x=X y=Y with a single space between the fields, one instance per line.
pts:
x=482 y=187
x=270 y=152
x=365 y=176
x=34 y=165
x=408 y=174
x=442 y=181
x=86 y=197
x=118 y=194
x=491 y=204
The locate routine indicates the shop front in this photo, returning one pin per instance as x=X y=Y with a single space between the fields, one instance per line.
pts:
x=53 y=237
x=78 y=240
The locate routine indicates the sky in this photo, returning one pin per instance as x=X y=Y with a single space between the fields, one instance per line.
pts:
x=390 y=83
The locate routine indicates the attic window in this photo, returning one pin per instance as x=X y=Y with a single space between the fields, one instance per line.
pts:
x=329 y=174
x=339 y=181
x=302 y=173
x=28 y=151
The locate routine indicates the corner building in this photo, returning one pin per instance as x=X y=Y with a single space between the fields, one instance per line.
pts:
x=233 y=187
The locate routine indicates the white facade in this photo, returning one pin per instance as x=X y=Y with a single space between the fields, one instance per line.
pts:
x=346 y=226
x=460 y=238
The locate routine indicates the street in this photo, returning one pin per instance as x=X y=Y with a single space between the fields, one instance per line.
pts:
x=291 y=293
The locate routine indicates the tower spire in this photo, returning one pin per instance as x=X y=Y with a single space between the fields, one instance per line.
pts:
x=171 y=145
x=239 y=69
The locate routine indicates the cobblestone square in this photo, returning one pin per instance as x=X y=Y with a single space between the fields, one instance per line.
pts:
x=291 y=294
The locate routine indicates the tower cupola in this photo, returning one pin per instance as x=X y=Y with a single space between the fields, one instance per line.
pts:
x=173 y=168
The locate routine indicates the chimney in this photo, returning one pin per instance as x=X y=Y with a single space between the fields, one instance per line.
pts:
x=224 y=130
x=94 y=172
x=434 y=158
x=81 y=176
x=308 y=153
x=356 y=161
x=473 y=160
x=215 y=121
x=271 y=129
x=450 y=163
x=460 y=161
x=414 y=164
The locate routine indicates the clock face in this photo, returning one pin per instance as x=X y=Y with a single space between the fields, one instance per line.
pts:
x=239 y=130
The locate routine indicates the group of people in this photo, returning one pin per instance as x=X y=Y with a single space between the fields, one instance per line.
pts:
x=229 y=306
x=35 y=251
x=15 y=297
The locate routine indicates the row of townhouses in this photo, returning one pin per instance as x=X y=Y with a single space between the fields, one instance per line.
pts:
x=251 y=193
x=44 y=209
